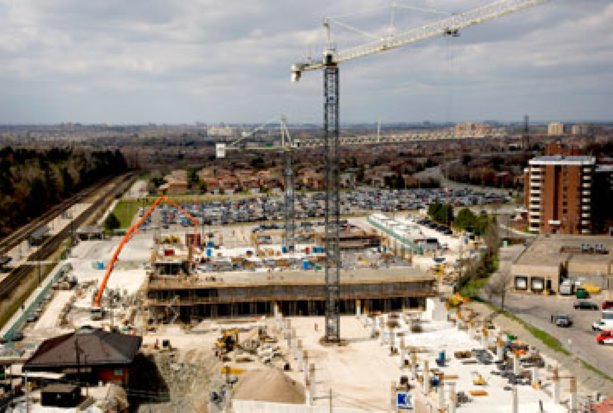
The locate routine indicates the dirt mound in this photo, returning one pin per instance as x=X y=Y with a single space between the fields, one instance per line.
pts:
x=269 y=385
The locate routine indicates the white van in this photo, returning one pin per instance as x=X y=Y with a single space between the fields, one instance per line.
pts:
x=605 y=323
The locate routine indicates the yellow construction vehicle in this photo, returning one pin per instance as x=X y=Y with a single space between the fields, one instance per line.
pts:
x=228 y=340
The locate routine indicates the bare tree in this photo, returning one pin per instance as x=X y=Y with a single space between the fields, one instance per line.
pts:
x=491 y=238
x=498 y=286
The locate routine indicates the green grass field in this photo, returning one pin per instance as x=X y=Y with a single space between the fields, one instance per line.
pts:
x=125 y=212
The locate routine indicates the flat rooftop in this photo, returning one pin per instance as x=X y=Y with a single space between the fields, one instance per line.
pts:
x=563 y=160
x=308 y=277
x=551 y=250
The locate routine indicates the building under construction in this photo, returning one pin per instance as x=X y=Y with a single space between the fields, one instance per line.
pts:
x=290 y=292
x=263 y=280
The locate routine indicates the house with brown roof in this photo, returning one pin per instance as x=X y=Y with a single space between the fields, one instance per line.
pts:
x=90 y=354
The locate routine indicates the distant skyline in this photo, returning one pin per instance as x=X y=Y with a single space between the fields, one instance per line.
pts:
x=163 y=61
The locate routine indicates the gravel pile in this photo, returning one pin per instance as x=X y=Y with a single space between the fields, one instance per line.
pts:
x=270 y=385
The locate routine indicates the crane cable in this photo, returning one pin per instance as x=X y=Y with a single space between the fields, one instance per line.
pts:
x=450 y=80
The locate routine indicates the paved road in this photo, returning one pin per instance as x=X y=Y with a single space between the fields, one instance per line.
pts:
x=578 y=339
x=537 y=310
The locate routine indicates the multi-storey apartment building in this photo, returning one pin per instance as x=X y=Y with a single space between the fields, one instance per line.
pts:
x=558 y=194
x=555 y=129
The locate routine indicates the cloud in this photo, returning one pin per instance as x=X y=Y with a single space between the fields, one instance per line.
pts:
x=205 y=60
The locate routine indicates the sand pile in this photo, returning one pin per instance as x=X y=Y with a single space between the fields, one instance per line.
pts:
x=269 y=385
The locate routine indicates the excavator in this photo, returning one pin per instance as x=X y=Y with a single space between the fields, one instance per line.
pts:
x=227 y=341
x=96 y=310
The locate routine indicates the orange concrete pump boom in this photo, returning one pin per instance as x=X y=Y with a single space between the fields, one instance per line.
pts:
x=131 y=231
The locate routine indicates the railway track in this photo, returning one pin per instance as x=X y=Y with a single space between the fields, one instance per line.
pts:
x=22 y=233
x=16 y=275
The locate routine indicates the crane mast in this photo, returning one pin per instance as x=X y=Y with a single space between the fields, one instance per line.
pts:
x=332 y=211
x=329 y=65
x=288 y=144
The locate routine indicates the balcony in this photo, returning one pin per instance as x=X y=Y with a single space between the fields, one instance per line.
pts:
x=586 y=207
x=585 y=215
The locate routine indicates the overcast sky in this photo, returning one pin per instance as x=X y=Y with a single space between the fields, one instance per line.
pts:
x=186 y=61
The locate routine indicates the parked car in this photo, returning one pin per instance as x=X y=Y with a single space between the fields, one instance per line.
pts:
x=561 y=320
x=32 y=318
x=607 y=305
x=585 y=305
x=605 y=323
x=605 y=337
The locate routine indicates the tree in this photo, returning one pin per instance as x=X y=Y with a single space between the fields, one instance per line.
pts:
x=465 y=219
x=111 y=222
x=491 y=238
x=442 y=213
x=192 y=175
x=498 y=286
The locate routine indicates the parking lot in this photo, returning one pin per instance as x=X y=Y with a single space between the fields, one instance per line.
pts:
x=312 y=205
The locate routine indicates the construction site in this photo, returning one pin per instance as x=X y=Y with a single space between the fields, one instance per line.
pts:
x=346 y=315
x=234 y=299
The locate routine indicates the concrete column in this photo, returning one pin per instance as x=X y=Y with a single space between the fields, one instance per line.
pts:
x=373 y=327
x=297 y=348
x=292 y=340
x=275 y=310
x=287 y=330
x=556 y=389
x=441 y=392
x=392 y=337
x=484 y=338
x=499 y=349
x=572 y=403
x=413 y=365
x=471 y=330
x=515 y=402
x=300 y=355
x=358 y=307
x=452 y=397
x=305 y=367
x=535 y=376
x=402 y=352
x=311 y=383
x=426 y=378
x=515 y=364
